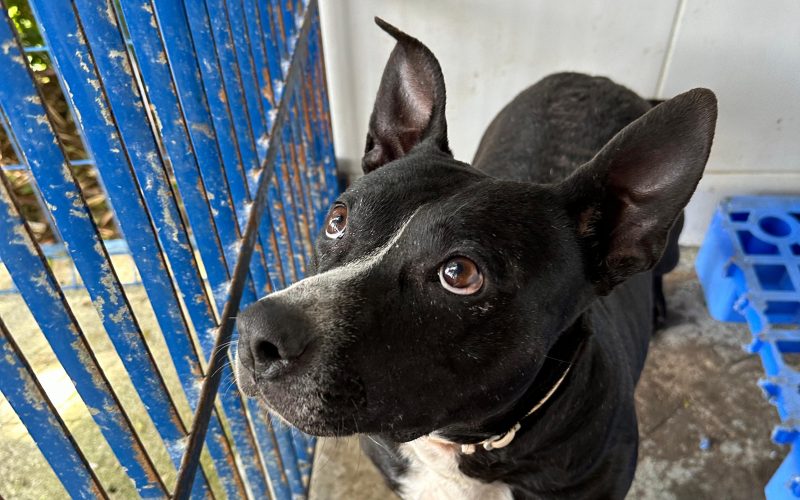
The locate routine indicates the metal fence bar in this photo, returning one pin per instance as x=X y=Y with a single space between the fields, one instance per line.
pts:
x=245 y=26
x=324 y=112
x=31 y=403
x=167 y=111
x=207 y=54
x=291 y=170
x=282 y=437
x=287 y=454
x=313 y=143
x=199 y=428
x=62 y=194
x=278 y=36
x=289 y=207
x=249 y=43
x=210 y=91
x=310 y=185
x=75 y=60
x=274 y=54
x=174 y=33
x=37 y=285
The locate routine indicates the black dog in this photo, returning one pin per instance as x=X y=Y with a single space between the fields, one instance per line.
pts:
x=483 y=327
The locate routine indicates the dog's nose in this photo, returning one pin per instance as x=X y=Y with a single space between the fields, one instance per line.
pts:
x=271 y=336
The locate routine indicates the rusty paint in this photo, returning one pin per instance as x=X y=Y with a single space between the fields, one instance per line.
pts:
x=266 y=89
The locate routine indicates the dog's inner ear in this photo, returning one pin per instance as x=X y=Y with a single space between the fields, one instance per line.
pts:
x=409 y=107
x=627 y=197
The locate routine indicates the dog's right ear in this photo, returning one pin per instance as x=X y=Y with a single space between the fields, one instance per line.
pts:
x=409 y=107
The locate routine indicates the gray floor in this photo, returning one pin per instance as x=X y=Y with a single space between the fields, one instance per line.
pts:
x=698 y=384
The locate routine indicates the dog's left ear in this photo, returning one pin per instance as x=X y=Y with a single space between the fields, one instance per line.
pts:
x=409 y=107
x=627 y=197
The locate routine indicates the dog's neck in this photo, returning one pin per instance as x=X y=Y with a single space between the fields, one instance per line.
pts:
x=501 y=430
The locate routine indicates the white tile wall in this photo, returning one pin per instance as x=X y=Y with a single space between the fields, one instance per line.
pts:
x=747 y=52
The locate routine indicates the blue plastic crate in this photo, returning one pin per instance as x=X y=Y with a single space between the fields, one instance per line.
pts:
x=749 y=266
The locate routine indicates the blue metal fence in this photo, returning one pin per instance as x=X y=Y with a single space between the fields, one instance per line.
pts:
x=207 y=121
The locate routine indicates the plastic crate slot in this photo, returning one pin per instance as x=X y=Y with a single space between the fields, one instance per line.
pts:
x=786 y=328
x=773 y=277
x=790 y=352
x=796 y=249
x=783 y=311
x=775 y=226
x=755 y=246
x=739 y=216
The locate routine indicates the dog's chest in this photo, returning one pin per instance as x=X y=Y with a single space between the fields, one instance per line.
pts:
x=433 y=474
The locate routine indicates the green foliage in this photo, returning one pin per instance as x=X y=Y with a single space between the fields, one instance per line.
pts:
x=20 y=12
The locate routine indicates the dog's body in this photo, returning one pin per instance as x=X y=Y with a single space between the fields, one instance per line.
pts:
x=542 y=136
x=452 y=301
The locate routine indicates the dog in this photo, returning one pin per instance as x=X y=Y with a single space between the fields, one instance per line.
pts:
x=482 y=328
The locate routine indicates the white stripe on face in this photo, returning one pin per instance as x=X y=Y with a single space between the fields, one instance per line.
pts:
x=348 y=271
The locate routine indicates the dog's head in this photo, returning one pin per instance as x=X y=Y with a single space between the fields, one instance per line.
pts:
x=438 y=289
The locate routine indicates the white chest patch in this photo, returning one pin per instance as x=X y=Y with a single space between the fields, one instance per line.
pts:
x=433 y=475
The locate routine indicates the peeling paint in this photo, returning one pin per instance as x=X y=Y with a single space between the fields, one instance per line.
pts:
x=221 y=291
x=176 y=447
x=154 y=114
x=120 y=316
x=109 y=283
x=79 y=37
x=81 y=214
x=203 y=129
x=100 y=305
x=104 y=111
x=121 y=58
x=81 y=62
x=149 y=9
x=7 y=46
x=23 y=238
x=164 y=198
x=40 y=280
x=32 y=394
x=110 y=15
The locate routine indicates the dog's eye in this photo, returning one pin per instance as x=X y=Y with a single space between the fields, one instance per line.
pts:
x=460 y=275
x=336 y=223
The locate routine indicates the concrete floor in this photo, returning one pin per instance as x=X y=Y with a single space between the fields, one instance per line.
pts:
x=698 y=384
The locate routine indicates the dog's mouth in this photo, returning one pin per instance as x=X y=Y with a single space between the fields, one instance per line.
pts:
x=309 y=399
